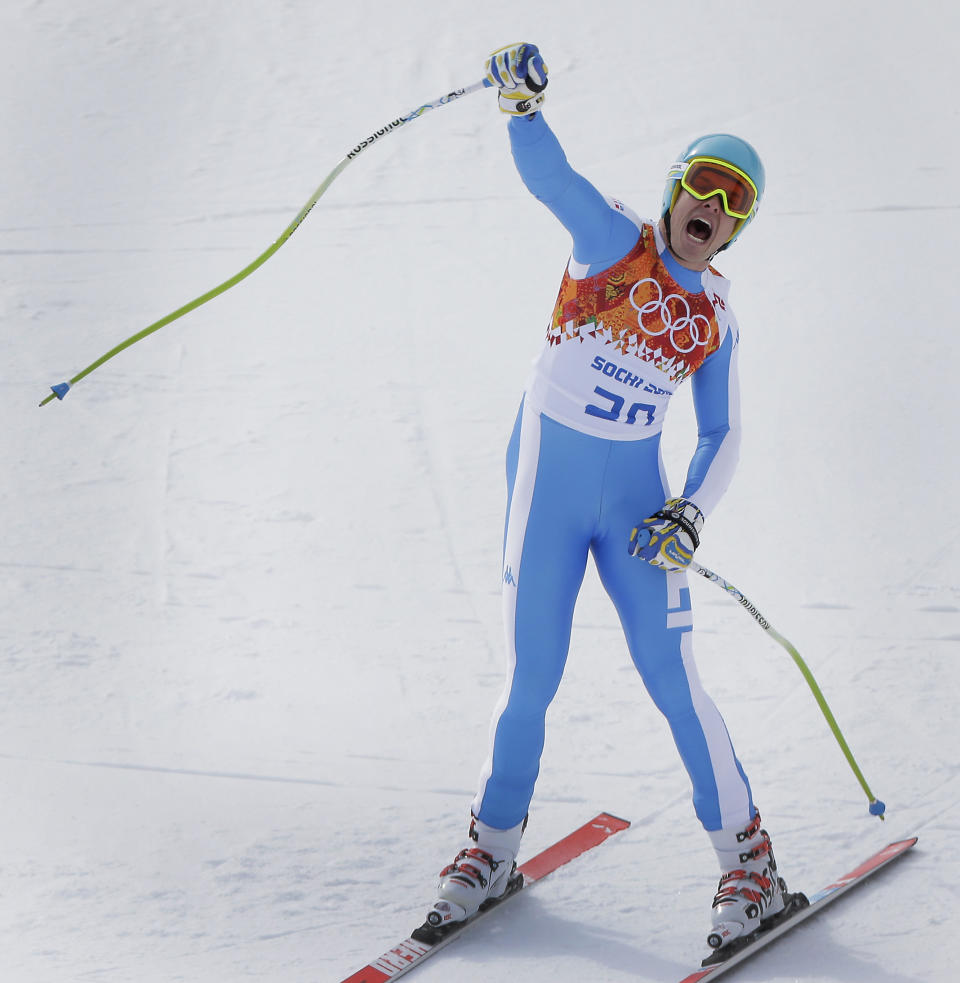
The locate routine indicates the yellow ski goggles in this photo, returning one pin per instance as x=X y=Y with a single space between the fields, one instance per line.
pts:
x=704 y=177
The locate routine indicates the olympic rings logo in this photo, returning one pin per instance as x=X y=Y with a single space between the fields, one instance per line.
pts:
x=660 y=307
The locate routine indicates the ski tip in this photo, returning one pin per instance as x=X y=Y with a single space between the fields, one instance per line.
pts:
x=878 y=808
x=61 y=389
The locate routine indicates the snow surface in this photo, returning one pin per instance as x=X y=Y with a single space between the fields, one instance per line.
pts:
x=251 y=634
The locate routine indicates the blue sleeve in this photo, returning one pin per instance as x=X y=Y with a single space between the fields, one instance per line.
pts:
x=601 y=234
x=716 y=401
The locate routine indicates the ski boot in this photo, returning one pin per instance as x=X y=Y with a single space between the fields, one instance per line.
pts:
x=483 y=872
x=751 y=892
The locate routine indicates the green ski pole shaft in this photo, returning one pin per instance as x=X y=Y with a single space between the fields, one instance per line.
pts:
x=877 y=807
x=61 y=389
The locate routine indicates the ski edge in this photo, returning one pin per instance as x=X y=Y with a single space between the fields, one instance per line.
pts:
x=400 y=959
x=818 y=902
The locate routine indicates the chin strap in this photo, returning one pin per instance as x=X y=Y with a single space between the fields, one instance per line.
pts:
x=667 y=233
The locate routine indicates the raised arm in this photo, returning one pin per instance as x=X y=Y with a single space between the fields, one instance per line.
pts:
x=601 y=234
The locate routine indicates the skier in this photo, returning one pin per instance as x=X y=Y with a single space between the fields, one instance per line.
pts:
x=639 y=310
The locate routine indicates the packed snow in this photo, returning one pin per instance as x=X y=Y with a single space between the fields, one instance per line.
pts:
x=251 y=636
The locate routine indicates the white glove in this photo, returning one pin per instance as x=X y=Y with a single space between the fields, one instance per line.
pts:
x=518 y=71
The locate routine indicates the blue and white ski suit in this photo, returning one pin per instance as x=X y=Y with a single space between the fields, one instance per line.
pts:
x=584 y=466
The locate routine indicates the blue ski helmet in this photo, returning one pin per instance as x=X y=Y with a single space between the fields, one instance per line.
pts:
x=725 y=147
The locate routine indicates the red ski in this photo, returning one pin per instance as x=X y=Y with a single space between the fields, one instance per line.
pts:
x=723 y=960
x=410 y=953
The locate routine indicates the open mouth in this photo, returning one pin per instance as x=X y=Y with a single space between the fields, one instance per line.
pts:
x=699 y=229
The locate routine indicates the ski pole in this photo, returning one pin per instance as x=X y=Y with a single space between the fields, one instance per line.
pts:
x=61 y=389
x=877 y=808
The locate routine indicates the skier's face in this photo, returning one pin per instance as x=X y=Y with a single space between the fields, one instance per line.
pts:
x=698 y=229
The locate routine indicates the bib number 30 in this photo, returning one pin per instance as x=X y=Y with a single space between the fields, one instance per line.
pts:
x=616 y=408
